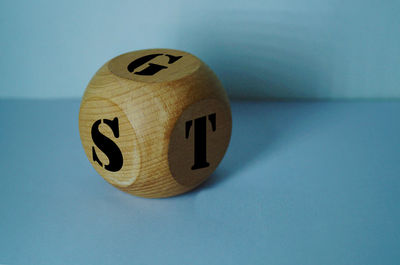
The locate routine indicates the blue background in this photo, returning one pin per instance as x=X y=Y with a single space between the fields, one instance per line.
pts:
x=302 y=182
x=259 y=49
x=314 y=183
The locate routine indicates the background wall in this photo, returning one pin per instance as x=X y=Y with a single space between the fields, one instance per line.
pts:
x=259 y=49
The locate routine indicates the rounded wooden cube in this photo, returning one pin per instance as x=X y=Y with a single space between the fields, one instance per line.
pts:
x=155 y=123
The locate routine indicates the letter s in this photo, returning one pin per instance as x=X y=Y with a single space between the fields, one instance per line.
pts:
x=107 y=146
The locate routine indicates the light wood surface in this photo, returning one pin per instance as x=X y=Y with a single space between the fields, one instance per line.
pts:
x=162 y=112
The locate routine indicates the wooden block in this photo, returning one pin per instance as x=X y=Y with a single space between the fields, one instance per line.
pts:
x=155 y=123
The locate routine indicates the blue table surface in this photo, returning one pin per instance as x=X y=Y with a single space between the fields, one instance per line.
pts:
x=301 y=183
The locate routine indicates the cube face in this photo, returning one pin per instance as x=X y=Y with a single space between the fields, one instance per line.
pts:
x=154 y=65
x=158 y=133
x=199 y=141
x=109 y=141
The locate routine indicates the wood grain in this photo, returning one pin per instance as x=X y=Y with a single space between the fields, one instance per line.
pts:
x=148 y=108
